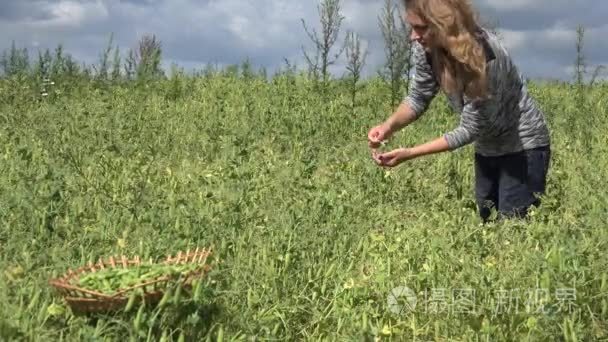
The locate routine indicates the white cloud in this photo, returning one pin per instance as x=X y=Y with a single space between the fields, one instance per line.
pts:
x=518 y=5
x=543 y=41
x=70 y=14
x=558 y=36
x=362 y=17
x=508 y=5
x=513 y=40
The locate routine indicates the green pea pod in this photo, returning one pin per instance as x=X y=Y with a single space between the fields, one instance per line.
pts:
x=137 y=321
x=276 y=328
x=131 y=301
x=163 y=337
x=220 y=334
x=178 y=294
x=197 y=291
x=34 y=301
x=165 y=298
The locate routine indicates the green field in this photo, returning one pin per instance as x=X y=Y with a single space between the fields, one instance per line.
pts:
x=309 y=235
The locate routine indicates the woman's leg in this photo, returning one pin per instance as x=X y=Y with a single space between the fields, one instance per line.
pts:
x=522 y=179
x=514 y=194
x=486 y=185
x=539 y=160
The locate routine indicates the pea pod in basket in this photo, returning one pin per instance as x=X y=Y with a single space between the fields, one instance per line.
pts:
x=118 y=283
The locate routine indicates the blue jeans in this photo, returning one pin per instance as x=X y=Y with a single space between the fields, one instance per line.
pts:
x=511 y=183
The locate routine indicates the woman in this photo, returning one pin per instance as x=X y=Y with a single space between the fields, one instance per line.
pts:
x=512 y=143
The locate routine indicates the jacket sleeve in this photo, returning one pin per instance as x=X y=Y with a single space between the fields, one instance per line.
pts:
x=476 y=114
x=423 y=86
x=472 y=124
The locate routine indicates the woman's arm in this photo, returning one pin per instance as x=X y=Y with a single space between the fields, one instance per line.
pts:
x=423 y=86
x=435 y=146
x=472 y=124
x=403 y=116
x=473 y=121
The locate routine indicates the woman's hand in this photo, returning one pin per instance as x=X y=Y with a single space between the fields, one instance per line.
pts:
x=392 y=158
x=378 y=134
x=398 y=156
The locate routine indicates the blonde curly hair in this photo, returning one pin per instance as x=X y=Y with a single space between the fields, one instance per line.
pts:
x=458 y=58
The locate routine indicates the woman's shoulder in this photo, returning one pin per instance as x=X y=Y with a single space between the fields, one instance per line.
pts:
x=504 y=75
x=501 y=67
x=493 y=46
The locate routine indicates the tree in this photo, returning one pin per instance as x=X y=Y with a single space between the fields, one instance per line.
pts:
x=580 y=66
x=130 y=65
x=331 y=20
x=144 y=61
x=71 y=66
x=247 y=69
x=58 y=65
x=43 y=66
x=104 y=61
x=582 y=100
x=116 y=65
x=355 y=58
x=15 y=62
x=397 y=50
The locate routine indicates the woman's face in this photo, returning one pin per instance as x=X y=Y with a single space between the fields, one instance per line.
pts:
x=420 y=30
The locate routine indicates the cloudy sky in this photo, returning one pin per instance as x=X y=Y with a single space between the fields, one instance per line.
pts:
x=540 y=34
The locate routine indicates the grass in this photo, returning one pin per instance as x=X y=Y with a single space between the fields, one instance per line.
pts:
x=310 y=236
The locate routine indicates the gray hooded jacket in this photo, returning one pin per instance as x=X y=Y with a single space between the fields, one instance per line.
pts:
x=508 y=121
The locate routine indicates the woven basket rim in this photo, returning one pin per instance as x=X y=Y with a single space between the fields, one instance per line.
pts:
x=64 y=283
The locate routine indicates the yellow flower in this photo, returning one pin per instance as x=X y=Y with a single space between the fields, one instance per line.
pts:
x=349 y=284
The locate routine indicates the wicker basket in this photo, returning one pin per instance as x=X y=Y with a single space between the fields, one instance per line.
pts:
x=82 y=300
